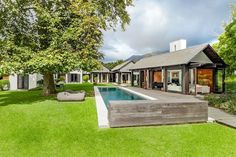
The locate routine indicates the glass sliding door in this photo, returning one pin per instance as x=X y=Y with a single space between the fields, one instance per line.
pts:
x=174 y=78
x=205 y=78
x=23 y=81
x=158 y=80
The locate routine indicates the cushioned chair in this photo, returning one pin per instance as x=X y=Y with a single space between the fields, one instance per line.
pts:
x=70 y=95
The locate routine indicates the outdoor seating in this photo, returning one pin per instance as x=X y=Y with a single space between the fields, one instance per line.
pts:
x=70 y=95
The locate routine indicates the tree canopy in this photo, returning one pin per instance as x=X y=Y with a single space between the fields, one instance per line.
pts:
x=226 y=46
x=50 y=36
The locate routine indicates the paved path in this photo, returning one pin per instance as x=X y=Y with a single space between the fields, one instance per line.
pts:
x=218 y=115
x=165 y=96
x=222 y=117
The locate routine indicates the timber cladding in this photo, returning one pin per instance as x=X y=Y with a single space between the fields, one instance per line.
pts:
x=154 y=112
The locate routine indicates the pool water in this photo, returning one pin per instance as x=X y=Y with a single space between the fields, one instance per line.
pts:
x=114 y=93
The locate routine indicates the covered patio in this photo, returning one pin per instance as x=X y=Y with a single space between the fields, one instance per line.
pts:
x=189 y=71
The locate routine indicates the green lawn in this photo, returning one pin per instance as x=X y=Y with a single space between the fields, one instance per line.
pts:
x=231 y=84
x=32 y=125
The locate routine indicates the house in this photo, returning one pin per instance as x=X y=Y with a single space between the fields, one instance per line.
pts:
x=24 y=81
x=121 y=73
x=100 y=76
x=75 y=76
x=197 y=69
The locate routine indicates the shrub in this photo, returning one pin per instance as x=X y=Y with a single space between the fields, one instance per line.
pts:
x=61 y=79
x=4 y=84
x=226 y=102
x=85 y=78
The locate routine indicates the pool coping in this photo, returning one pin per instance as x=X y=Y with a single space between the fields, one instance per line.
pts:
x=102 y=111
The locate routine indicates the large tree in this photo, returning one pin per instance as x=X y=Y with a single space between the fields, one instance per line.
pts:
x=226 y=46
x=50 y=36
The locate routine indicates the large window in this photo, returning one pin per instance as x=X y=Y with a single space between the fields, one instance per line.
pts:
x=174 y=78
x=74 y=77
x=23 y=81
x=205 y=77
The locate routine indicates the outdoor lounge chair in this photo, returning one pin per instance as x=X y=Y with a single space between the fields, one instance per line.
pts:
x=157 y=85
x=70 y=95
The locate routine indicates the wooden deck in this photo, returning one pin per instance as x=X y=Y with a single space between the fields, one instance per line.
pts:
x=169 y=108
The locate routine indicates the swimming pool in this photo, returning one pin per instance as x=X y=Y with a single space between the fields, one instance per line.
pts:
x=115 y=93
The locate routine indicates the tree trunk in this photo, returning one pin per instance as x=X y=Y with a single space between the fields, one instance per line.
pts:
x=48 y=84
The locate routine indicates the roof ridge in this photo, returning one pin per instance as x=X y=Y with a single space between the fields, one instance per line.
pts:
x=167 y=52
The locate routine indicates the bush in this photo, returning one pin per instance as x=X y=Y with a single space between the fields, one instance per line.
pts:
x=4 y=84
x=226 y=102
x=85 y=78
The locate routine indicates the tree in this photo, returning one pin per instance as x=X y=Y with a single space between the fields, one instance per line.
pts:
x=226 y=46
x=52 y=36
x=111 y=65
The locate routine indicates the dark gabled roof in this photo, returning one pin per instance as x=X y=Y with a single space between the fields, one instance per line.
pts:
x=176 y=58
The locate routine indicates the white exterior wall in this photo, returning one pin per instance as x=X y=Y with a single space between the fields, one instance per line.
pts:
x=178 y=45
x=33 y=78
x=13 y=82
x=78 y=72
x=33 y=81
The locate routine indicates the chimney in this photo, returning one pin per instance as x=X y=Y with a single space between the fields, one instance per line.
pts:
x=178 y=45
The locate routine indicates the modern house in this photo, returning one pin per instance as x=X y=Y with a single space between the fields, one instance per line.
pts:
x=30 y=81
x=121 y=73
x=193 y=70
x=100 y=76
x=75 y=76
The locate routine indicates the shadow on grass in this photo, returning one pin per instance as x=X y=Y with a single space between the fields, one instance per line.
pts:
x=35 y=95
x=22 y=97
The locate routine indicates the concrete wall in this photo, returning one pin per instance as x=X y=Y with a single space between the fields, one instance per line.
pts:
x=154 y=112
x=13 y=82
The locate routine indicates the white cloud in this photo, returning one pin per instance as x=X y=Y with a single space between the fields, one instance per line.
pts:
x=155 y=23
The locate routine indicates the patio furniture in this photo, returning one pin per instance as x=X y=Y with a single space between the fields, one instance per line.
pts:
x=70 y=95
x=158 y=85
x=202 y=89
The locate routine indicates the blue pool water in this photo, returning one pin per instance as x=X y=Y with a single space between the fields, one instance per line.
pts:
x=114 y=93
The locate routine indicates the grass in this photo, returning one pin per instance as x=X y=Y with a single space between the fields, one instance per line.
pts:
x=33 y=125
x=231 y=84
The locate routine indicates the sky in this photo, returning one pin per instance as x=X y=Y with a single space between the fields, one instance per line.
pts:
x=155 y=23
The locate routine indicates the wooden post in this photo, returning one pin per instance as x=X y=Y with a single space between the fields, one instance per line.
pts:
x=119 y=78
x=165 y=79
x=132 y=78
x=140 y=81
x=223 y=81
x=195 y=75
x=185 y=79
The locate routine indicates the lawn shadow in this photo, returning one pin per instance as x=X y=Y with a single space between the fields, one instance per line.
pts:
x=35 y=95
x=22 y=97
